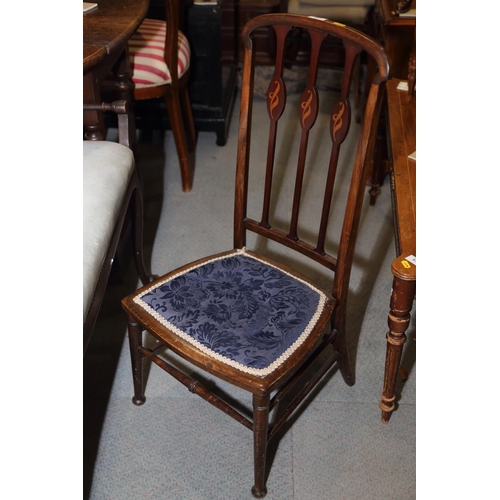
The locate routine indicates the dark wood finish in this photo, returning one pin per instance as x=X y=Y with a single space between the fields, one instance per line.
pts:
x=403 y=6
x=329 y=332
x=212 y=83
x=235 y=14
x=402 y=142
x=212 y=86
x=132 y=201
x=106 y=30
x=176 y=97
x=396 y=33
x=412 y=69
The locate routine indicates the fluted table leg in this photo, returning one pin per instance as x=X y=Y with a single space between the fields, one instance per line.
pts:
x=402 y=297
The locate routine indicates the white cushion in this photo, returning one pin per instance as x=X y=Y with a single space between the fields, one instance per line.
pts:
x=147 y=54
x=342 y=14
x=107 y=169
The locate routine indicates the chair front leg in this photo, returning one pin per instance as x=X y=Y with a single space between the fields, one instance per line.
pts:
x=260 y=428
x=135 y=340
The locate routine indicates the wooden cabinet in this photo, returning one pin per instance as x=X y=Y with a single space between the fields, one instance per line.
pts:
x=212 y=86
x=397 y=34
x=234 y=15
x=212 y=80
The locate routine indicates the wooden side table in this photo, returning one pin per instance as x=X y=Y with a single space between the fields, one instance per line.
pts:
x=106 y=30
x=401 y=139
x=396 y=32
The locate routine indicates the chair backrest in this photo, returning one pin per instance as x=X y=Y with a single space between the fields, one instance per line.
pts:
x=354 y=43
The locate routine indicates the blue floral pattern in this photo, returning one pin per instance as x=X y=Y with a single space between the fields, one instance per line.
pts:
x=238 y=309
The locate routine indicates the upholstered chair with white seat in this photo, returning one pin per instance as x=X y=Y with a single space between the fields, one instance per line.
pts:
x=110 y=187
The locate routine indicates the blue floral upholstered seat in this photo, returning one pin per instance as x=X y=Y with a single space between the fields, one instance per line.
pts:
x=237 y=309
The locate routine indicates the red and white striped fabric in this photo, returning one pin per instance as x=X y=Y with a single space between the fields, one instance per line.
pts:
x=147 y=61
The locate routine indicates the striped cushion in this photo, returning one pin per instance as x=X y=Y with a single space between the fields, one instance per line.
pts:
x=147 y=47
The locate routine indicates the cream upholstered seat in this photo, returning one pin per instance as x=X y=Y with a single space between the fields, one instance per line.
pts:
x=107 y=170
x=110 y=187
x=351 y=12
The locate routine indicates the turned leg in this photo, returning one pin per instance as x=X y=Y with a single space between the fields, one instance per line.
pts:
x=402 y=296
x=260 y=427
x=135 y=340
x=93 y=121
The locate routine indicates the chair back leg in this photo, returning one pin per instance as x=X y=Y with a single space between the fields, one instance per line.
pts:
x=135 y=340
x=179 y=132
x=189 y=119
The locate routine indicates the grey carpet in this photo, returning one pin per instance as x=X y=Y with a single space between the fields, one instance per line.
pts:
x=176 y=446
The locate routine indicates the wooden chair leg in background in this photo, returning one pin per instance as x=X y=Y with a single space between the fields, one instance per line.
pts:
x=189 y=119
x=179 y=131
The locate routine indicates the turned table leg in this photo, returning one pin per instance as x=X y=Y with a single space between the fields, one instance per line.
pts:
x=402 y=297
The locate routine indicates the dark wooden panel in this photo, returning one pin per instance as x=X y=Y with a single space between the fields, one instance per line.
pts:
x=235 y=14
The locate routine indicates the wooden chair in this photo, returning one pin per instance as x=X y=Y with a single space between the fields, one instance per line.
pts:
x=253 y=321
x=160 y=58
x=110 y=187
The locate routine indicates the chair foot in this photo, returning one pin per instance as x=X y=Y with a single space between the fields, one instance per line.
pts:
x=139 y=401
x=345 y=368
x=340 y=347
x=258 y=493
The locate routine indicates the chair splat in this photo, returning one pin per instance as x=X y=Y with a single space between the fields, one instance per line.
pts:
x=339 y=128
x=308 y=114
x=275 y=105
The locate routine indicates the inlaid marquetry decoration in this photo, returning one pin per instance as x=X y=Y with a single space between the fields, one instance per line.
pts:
x=340 y=120
x=276 y=98
x=308 y=107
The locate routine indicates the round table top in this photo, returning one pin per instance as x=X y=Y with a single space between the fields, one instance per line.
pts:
x=108 y=26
